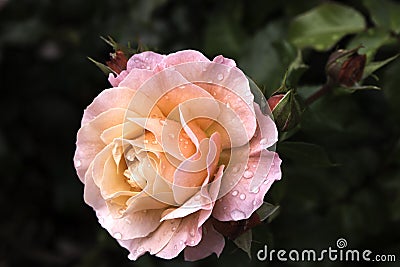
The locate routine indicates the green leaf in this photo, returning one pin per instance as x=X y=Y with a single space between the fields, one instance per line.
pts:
x=266 y=210
x=370 y=40
x=385 y=14
x=374 y=66
x=295 y=70
x=107 y=70
x=305 y=153
x=323 y=26
x=244 y=242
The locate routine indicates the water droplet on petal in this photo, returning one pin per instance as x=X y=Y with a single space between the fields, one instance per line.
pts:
x=192 y=242
x=173 y=229
x=256 y=190
x=255 y=202
x=197 y=198
x=163 y=122
x=228 y=105
x=220 y=76
x=146 y=141
x=117 y=235
x=242 y=196
x=186 y=142
x=235 y=193
x=224 y=208
x=248 y=174
x=266 y=182
x=192 y=233
x=144 y=211
x=171 y=135
x=185 y=147
x=154 y=142
x=181 y=242
x=78 y=163
x=175 y=247
x=128 y=221
x=148 y=67
x=141 y=249
x=237 y=215
x=235 y=169
x=214 y=93
x=166 y=97
x=182 y=87
x=121 y=211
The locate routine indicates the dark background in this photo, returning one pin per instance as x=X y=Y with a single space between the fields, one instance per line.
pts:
x=46 y=81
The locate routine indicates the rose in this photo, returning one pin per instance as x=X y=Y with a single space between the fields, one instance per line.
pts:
x=176 y=144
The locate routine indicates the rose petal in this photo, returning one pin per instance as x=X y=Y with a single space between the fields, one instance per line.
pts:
x=240 y=203
x=266 y=133
x=187 y=234
x=211 y=242
x=89 y=143
x=119 y=97
x=152 y=243
x=182 y=57
x=223 y=60
x=146 y=60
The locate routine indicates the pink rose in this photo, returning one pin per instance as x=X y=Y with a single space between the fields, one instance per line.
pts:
x=176 y=142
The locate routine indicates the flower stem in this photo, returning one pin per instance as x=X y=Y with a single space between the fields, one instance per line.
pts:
x=319 y=93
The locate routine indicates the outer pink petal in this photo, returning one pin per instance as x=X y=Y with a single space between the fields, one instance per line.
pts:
x=89 y=143
x=133 y=225
x=181 y=57
x=223 y=60
x=152 y=243
x=187 y=234
x=146 y=60
x=211 y=242
x=109 y=98
x=240 y=202
x=266 y=133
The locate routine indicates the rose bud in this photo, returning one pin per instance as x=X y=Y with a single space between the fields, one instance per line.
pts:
x=286 y=110
x=118 y=61
x=345 y=67
x=274 y=100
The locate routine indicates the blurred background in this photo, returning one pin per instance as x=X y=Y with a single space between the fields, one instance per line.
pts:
x=46 y=81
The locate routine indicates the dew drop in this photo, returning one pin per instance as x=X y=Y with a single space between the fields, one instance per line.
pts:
x=185 y=147
x=182 y=87
x=175 y=247
x=181 y=139
x=141 y=249
x=192 y=242
x=220 y=76
x=130 y=155
x=146 y=141
x=255 y=202
x=121 y=211
x=78 y=163
x=128 y=221
x=192 y=233
x=166 y=97
x=237 y=215
x=148 y=67
x=171 y=135
x=214 y=93
x=163 y=122
x=204 y=69
x=154 y=142
x=256 y=190
x=173 y=229
x=266 y=182
x=248 y=174
x=144 y=211
x=235 y=193
x=242 y=196
x=224 y=208
x=235 y=169
x=117 y=235
x=197 y=198
x=186 y=142
x=181 y=242
x=228 y=105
